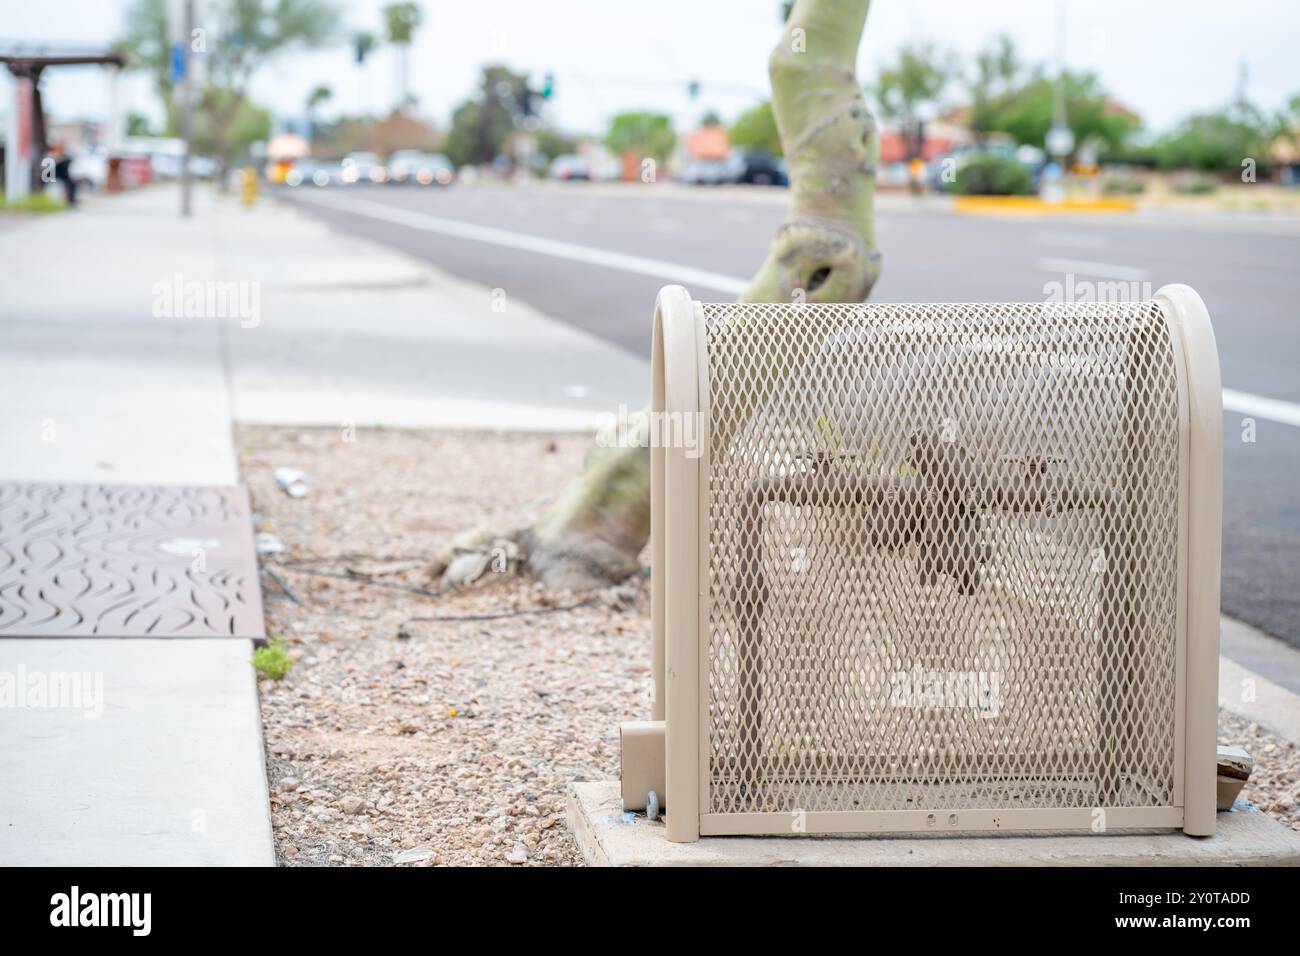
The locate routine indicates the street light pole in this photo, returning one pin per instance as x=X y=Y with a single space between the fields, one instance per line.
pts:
x=187 y=101
x=1058 y=98
x=1060 y=140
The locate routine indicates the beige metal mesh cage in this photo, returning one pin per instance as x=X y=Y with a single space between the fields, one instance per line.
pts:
x=936 y=567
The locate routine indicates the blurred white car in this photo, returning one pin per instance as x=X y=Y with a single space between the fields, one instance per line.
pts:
x=363 y=167
x=705 y=172
x=311 y=172
x=424 y=169
x=89 y=168
x=570 y=167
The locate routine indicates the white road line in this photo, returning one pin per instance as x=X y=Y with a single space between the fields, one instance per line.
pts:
x=1103 y=269
x=1257 y=406
x=671 y=271
x=1242 y=403
x=1079 y=240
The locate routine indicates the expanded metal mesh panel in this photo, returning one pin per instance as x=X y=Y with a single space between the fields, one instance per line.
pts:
x=942 y=557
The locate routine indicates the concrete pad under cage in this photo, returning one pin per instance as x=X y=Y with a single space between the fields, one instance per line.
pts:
x=606 y=836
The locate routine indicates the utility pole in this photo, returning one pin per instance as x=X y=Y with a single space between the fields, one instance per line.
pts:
x=1060 y=139
x=187 y=110
x=181 y=17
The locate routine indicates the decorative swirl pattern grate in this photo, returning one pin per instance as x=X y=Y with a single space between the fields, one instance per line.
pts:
x=127 y=561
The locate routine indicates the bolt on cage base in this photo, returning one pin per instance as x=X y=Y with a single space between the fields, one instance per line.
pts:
x=933 y=568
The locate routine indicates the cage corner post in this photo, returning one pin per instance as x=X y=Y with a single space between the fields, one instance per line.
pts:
x=675 y=533
x=1204 y=524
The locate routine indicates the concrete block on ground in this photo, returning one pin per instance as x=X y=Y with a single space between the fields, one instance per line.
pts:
x=608 y=837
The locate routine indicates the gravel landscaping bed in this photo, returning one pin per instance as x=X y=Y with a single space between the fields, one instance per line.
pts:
x=395 y=740
x=1274 y=786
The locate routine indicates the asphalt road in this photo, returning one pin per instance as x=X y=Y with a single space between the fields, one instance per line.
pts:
x=595 y=256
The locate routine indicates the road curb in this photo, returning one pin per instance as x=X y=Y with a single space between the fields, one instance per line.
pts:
x=1033 y=206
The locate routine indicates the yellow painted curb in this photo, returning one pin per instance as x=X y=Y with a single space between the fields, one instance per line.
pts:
x=1033 y=206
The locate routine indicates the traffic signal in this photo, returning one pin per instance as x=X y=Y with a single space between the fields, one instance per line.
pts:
x=362 y=44
x=693 y=88
x=548 y=85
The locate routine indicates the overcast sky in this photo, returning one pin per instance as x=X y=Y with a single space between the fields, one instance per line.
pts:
x=1164 y=58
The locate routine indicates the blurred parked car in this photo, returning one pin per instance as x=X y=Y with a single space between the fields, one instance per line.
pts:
x=310 y=172
x=89 y=168
x=424 y=169
x=363 y=167
x=756 y=167
x=570 y=166
x=705 y=172
x=203 y=167
x=169 y=165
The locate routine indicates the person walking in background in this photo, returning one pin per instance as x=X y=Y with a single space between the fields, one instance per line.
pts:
x=63 y=172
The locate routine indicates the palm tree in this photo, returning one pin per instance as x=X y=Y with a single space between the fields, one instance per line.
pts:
x=401 y=20
x=362 y=43
x=314 y=99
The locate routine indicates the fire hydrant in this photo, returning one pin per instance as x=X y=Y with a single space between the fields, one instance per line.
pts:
x=248 y=190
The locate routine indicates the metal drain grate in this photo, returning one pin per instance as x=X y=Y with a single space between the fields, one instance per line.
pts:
x=127 y=561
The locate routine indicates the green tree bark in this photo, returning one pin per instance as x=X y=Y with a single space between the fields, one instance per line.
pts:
x=825 y=251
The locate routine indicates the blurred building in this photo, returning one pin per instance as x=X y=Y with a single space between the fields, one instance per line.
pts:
x=939 y=138
x=708 y=143
x=1284 y=156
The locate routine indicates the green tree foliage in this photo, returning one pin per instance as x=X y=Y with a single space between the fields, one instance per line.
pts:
x=552 y=143
x=1214 y=142
x=401 y=20
x=137 y=124
x=650 y=134
x=145 y=43
x=1219 y=141
x=1026 y=113
x=480 y=126
x=989 y=175
x=239 y=38
x=1288 y=122
x=317 y=96
x=914 y=81
x=996 y=71
x=251 y=124
x=1008 y=96
x=363 y=41
x=756 y=129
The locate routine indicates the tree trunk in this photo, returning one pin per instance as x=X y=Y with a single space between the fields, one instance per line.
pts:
x=824 y=252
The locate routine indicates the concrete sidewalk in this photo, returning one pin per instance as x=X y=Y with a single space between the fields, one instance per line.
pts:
x=351 y=332
x=93 y=387
x=164 y=765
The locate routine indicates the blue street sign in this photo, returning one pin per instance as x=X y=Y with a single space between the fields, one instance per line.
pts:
x=178 y=62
